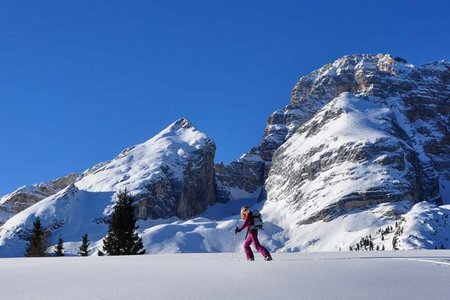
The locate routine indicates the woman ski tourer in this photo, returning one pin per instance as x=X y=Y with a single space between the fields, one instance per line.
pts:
x=252 y=235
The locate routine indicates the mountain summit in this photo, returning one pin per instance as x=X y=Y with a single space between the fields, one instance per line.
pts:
x=172 y=174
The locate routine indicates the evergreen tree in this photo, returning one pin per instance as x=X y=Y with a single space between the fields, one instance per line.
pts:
x=59 y=248
x=84 y=248
x=394 y=243
x=122 y=237
x=36 y=243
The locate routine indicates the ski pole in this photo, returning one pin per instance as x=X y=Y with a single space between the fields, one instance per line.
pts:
x=234 y=246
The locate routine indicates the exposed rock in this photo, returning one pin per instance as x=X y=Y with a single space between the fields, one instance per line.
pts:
x=240 y=179
x=199 y=185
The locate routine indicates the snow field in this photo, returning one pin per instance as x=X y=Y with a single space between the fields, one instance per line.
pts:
x=338 y=275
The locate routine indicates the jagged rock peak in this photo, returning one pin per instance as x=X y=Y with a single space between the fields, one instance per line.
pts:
x=182 y=123
x=183 y=130
x=380 y=62
x=347 y=70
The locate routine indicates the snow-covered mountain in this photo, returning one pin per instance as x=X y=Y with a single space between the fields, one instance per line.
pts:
x=360 y=156
x=363 y=133
x=418 y=96
x=171 y=174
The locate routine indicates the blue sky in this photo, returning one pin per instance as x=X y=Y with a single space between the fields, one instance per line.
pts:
x=82 y=80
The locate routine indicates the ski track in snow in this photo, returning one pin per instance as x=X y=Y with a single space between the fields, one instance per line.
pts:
x=437 y=262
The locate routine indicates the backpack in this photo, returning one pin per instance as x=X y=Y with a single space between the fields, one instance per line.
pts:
x=257 y=220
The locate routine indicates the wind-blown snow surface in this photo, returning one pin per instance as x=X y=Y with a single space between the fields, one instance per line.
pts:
x=339 y=275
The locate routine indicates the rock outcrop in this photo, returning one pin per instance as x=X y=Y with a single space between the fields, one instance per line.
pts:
x=27 y=196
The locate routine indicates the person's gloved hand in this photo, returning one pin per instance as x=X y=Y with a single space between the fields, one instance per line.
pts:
x=236 y=230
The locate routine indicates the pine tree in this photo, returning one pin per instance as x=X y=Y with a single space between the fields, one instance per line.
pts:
x=122 y=237
x=36 y=243
x=59 y=248
x=84 y=248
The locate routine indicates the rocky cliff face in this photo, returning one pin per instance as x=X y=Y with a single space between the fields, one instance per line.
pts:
x=364 y=130
x=199 y=186
x=243 y=178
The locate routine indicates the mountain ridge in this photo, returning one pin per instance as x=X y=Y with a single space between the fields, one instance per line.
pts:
x=373 y=121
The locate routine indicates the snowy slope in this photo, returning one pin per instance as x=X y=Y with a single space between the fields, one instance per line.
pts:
x=346 y=175
x=426 y=225
x=69 y=214
x=337 y=155
x=140 y=165
x=382 y=275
